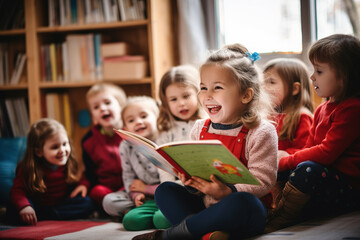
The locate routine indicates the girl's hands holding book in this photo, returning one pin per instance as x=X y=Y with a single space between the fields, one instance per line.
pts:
x=215 y=188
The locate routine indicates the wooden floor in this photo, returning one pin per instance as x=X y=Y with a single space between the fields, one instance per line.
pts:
x=346 y=227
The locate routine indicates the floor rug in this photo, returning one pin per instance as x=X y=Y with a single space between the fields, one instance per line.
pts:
x=45 y=229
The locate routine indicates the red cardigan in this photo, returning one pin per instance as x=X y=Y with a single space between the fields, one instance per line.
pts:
x=56 y=189
x=334 y=140
x=301 y=135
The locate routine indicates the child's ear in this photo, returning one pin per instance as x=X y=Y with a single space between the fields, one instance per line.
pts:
x=247 y=96
x=296 y=88
x=38 y=152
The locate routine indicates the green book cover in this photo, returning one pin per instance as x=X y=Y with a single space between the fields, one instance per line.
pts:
x=204 y=159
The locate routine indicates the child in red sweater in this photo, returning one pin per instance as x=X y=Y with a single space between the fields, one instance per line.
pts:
x=100 y=145
x=49 y=183
x=288 y=82
x=325 y=175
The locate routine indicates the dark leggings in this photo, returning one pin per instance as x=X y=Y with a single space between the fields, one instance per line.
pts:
x=70 y=208
x=241 y=214
x=329 y=189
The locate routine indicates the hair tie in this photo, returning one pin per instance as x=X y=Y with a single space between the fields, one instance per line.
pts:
x=253 y=56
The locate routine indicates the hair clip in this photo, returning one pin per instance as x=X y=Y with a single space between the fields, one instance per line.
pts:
x=253 y=56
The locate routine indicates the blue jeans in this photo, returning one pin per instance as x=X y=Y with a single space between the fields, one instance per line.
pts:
x=241 y=214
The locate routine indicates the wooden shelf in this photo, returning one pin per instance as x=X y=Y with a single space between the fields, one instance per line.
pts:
x=12 y=32
x=97 y=26
x=14 y=87
x=76 y=84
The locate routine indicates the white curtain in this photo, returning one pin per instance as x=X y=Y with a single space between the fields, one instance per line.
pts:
x=193 y=34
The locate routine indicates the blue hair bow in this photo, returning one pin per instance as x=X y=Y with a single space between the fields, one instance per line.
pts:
x=253 y=56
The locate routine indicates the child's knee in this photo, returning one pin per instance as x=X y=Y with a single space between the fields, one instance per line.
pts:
x=160 y=221
x=117 y=203
x=135 y=221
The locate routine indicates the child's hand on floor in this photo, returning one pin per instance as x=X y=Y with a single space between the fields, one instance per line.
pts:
x=27 y=215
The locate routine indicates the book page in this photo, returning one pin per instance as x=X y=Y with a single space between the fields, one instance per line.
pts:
x=147 y=148
x=202 y=160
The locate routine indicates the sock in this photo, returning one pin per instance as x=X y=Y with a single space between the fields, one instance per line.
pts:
x=178 y=232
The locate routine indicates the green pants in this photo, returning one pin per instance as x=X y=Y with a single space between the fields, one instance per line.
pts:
x=146 y=216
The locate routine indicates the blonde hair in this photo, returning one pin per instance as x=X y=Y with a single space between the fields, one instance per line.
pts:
x=112 y=89
x=144 y=100
x=185 y=75
x=246 y=75
x=291 y=71
x=342 y=53
x=32 y=165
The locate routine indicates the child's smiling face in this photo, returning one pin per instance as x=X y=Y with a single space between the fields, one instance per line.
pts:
x=140 y=119
x=56 y=149
x=220 y=95
x=105 y=111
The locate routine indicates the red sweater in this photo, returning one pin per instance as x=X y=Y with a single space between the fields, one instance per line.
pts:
x=334 y=140
x=101 y=157
x=301 y=135
x=56 y=189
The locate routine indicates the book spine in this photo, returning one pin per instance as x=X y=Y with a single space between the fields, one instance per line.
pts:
x=98 y=65
x=53 y=62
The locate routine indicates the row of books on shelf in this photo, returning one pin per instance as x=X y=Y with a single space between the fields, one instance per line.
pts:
x=57 y=106
x=67 y=12
x=76 y=59
x=12 y=66
x=12 y=14
x=14 y=117
x=84 y=57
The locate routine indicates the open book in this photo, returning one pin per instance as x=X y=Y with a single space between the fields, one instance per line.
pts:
x=193 y=158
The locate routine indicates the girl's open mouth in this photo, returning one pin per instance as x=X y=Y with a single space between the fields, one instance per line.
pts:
x=214 y=109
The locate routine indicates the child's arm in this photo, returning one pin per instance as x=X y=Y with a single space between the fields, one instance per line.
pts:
x=342 y=134
x=18 y=193
x=18 y=197
x=128 y=173
x=139 y=186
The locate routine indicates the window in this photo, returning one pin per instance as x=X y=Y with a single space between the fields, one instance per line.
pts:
x=280 y=26
x=332 y=17
x=261 y=25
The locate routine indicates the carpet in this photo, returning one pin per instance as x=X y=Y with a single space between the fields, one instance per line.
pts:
x=45 y=229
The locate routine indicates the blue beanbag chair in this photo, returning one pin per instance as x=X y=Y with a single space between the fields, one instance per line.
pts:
x=11 y=152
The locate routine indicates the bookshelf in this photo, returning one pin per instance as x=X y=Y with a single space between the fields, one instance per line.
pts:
x=151 y=37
